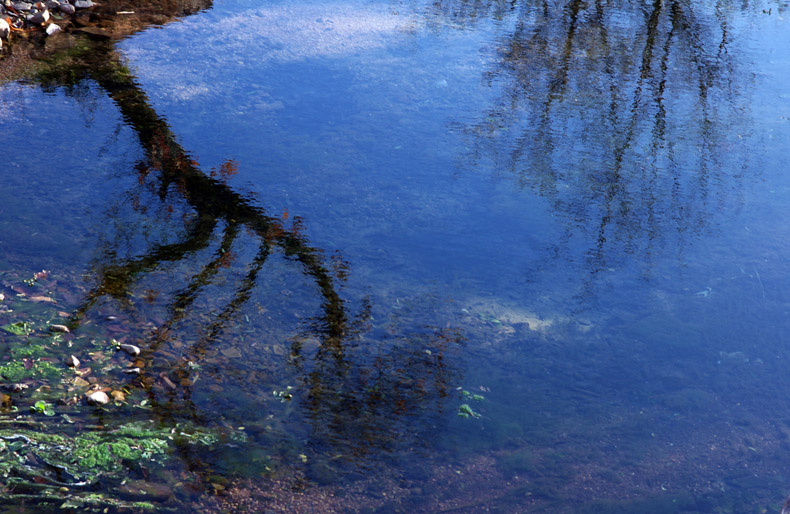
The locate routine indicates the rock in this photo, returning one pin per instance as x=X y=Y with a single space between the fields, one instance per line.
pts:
x=5 y=29
x=23 y=6
x=40 y=18
x=98 y=398
x=41 y=299
x=80 y=382
x=53 y=29
x=52 y=4
x=72 y=361
x=15 y=388
x=169 y=383
x=118 y=396
x=59 y=328
x=130 y=349
x=142 y=490
x=83 y=4
x=132 y=371
x=67 y=8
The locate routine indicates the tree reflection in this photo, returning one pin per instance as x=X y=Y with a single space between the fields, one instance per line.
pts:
x=359 y=395
x=620 y=114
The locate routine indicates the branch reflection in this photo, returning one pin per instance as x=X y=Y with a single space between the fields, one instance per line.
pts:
x=211 y=353
x=621 y=115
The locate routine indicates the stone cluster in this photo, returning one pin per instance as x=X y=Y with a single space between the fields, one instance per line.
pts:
x=25 y=16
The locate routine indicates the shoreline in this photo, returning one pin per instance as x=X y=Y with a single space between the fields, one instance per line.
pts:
x=24 y=23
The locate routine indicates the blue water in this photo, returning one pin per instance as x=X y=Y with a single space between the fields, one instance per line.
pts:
x=577 y=212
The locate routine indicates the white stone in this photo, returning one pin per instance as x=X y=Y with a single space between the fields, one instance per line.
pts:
x=130 y=349
x=53 y=29
x=5 y=28
x=98 y=398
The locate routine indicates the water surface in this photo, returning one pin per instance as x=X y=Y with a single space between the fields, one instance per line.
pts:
x=508 y=256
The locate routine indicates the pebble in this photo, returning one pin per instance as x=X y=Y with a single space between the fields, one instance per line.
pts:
x=40 y=18
x=80 y=382
x=59 y=328
x=132 y=371
x=72 y=361
x=130 y=349
x=29 y=16
x=98 y=398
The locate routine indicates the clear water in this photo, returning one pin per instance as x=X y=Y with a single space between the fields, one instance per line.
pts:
x=577 y=212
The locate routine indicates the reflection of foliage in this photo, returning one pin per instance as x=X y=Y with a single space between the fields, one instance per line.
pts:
x=226 y=170
x=619 y=114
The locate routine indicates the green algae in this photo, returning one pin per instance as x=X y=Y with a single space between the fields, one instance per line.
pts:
x=88 y=455
x=16 y=371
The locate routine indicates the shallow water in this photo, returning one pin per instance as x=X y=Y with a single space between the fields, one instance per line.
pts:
x=506 y=256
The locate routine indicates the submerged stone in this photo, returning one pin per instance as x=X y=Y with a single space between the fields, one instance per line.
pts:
x=15 y=388
x=59 y=328
x=80 y=382
x=98 y=398
x=131 y=349
x=142 y=490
